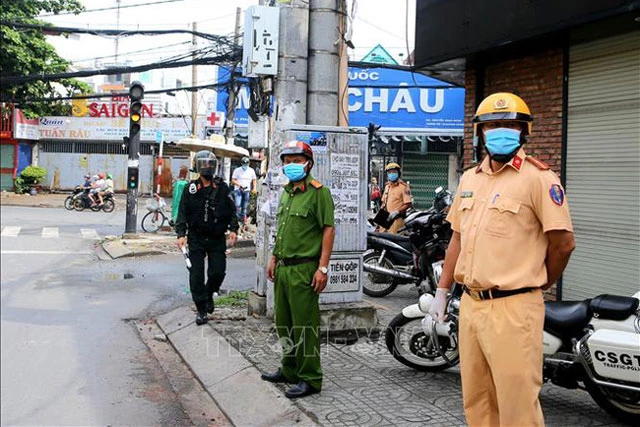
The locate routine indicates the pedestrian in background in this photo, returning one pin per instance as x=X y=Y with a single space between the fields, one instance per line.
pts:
x=299 y=268
x=512 y=238
x=396 y=198
x=205 y=214
x=374 y=194
x=178 y=189
x=245 y=182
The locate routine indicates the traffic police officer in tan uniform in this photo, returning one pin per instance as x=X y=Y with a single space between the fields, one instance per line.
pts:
x=396 y=198
x=298 y=268
x=512 y=239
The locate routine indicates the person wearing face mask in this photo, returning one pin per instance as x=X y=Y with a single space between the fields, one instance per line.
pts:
x=205 y=213
x=245 y=182
x=396 y=198
x=299 y=268
x=512 y=238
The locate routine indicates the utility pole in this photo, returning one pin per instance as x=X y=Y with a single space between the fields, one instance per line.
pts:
x=231 y=102
x=194 y=82
x=324 y=63
x=117 y=27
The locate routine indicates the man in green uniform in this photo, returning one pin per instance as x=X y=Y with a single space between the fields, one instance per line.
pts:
x=298 y=268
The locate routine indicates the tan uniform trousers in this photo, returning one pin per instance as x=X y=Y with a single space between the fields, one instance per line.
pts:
x=501 y=359
x=397 y=225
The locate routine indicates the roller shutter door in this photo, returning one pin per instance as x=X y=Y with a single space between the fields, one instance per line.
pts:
x=425 y=173
x=603 y=167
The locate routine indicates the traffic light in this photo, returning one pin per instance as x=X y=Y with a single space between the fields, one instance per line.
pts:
x=132 y=178
x=136 y=94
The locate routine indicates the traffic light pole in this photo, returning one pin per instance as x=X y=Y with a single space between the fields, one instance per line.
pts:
x=136 y=94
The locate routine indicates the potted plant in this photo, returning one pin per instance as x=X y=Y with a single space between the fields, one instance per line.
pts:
x=31 y=177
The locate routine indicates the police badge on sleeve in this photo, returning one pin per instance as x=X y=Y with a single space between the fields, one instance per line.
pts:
x=192 y=188
x=557 y=194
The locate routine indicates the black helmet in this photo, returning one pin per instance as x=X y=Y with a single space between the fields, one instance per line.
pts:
x=205 y=163
x=245 y=160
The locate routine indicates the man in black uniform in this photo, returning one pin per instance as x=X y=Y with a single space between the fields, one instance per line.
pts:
x=207 y=210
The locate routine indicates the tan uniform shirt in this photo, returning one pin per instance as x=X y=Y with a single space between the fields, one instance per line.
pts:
x=395 y=195
x=502 y=218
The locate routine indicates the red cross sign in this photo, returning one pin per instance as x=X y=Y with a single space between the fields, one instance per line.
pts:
x=216 y=119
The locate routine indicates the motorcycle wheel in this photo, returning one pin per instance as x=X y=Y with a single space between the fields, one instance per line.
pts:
x=377 y=285
x=68 y=203
x=152 y=222
x=623 y=405
x=108 y=205
x=409 y=345
x=78 y=205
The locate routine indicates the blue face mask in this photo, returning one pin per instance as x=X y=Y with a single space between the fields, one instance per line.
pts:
x=245 y=167
x=501 y=141
x=295 y=171
x=393 y=176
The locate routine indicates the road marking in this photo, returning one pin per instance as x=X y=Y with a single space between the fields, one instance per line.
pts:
x=11 y=231
x=50 y=232
x=89 y=233
x=11 y=252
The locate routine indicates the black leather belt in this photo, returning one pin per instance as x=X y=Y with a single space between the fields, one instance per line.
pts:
x=288 y=262
x=495 y=293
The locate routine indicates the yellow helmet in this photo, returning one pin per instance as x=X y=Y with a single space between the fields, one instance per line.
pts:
x=392 y=165
x=502 y=106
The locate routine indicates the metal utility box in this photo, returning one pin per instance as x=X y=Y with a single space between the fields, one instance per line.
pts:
x=340 y=163
x=260 y=43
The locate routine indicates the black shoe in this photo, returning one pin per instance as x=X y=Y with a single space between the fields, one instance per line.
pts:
x=275 y=377
x=201 y=318
x=301 y=389
x=210 y=306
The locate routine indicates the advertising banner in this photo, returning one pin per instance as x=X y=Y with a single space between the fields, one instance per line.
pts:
x=114 y=129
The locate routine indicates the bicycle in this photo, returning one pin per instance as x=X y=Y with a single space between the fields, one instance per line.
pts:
x=156 y=218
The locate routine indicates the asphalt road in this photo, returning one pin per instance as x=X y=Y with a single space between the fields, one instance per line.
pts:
x=70 y=352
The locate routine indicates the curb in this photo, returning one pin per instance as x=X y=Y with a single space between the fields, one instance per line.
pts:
x=229 y=378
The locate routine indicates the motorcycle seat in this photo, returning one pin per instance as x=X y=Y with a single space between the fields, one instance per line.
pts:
x=613 y=307
x=566 y=319
x=399 y=239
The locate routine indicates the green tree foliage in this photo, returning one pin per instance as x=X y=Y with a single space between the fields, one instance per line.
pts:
x=25 y=52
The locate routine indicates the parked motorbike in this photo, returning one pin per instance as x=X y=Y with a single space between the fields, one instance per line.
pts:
x=397 y=259
x=82 y=202
x=69 y=201
x=592 y=345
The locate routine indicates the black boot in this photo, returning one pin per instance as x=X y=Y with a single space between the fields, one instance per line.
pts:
x=210 y=305
x=201 y=317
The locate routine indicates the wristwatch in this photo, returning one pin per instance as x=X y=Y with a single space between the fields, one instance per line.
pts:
x=323 y=269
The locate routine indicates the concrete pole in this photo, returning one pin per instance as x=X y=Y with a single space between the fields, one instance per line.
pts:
x=194 y=82
x=324 y=63
x=291 y=83
x=343 y=72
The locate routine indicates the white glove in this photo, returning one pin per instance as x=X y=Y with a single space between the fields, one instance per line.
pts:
x=393 y=215
x=438 y=307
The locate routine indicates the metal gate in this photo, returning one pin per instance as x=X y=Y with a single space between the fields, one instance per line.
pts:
x=603 y=167
x=425 y=173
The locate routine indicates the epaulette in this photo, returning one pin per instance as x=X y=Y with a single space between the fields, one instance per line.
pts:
x=538 y=163
x=315 y=184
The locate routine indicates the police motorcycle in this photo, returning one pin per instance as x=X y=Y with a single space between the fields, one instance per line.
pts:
x=398 y=259
x=593 y=345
